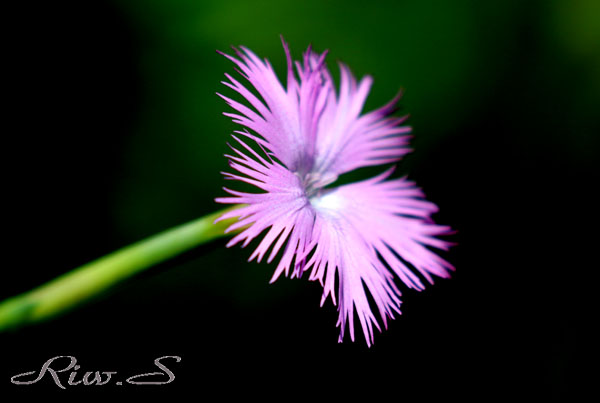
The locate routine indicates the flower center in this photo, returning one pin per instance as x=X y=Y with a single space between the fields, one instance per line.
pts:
x=313 y=182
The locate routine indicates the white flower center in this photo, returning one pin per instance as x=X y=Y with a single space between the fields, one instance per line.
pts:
x=328 y=202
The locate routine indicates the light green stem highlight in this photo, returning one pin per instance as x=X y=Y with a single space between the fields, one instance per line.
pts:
x=71 y=289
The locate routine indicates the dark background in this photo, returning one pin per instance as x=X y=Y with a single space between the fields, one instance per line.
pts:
x=112 y=132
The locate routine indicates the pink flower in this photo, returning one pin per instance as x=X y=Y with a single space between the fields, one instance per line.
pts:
x=364 y=233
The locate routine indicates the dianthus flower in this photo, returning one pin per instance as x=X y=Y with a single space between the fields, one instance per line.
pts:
x=354 y=238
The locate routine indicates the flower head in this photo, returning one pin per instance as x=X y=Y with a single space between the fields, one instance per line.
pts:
x=355 y=238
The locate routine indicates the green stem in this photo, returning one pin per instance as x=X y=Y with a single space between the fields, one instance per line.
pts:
x=72 y=288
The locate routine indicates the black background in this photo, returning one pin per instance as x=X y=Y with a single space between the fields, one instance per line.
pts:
x=511 y=321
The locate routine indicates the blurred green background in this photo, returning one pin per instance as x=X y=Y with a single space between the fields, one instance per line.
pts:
x=116 y=133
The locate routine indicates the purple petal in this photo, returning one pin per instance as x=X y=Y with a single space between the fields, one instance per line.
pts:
x=365 y=233
x=309 y=127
